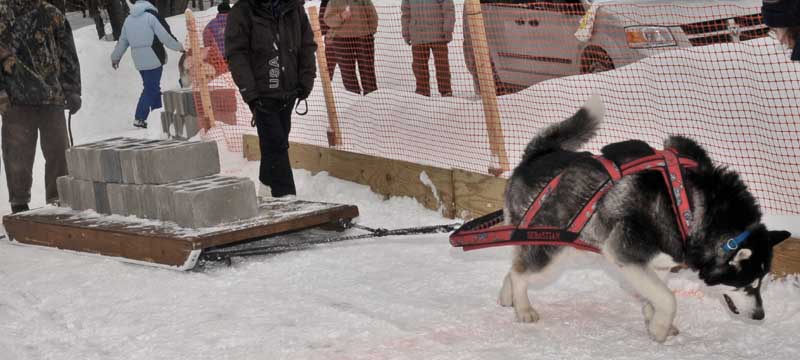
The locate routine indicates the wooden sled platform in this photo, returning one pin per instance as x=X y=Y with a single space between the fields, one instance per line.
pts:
x=163 y=243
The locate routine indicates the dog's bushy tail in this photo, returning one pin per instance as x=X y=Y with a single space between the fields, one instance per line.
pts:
x=569 y=134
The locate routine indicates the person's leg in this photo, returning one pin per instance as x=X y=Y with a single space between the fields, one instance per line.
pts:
x=440 y=58
x=143 y=106
x=346 y=55
x=366 y=63
x=283 y=180
x=54 y=143
x=275 y=170
x=151 y=94
x=155 y=89
x=19 y=149
x=419 y=65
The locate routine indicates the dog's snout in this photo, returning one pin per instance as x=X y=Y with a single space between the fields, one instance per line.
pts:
x=758 y=314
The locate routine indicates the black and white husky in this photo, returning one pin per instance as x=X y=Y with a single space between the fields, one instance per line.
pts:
x=635 y=227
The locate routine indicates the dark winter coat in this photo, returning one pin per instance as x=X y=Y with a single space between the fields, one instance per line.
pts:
x=46 y=67
x=427 y=21
x=362 y=22
x=270 y=49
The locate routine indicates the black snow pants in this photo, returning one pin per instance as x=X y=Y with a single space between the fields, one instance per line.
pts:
x=22 y=127
x=273 y=122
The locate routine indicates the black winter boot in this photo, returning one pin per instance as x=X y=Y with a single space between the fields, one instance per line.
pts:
x=19 y=208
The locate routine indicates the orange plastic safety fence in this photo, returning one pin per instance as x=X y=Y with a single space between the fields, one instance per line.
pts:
x=407 y=86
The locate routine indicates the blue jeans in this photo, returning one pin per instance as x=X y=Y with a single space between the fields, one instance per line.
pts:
x=151 y=95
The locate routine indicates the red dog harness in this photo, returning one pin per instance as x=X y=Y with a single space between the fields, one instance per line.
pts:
x=483 y=232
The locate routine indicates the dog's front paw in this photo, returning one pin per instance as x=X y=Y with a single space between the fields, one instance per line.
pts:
x=648 y=312
x=660 y=330
x=527 y=315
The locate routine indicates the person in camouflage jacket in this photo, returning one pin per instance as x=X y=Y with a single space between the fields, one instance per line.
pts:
x=42 y=78
x=6 y=58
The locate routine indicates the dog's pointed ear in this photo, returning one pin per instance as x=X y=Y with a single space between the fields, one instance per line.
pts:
x=776 y=237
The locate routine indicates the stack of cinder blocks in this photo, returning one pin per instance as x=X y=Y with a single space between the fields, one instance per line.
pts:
x=179 y=119
x=156 y=179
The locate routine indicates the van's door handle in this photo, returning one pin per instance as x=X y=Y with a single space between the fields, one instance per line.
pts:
x=531 y=23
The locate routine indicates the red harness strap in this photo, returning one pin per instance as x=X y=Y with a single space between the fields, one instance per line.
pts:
x=483 y=232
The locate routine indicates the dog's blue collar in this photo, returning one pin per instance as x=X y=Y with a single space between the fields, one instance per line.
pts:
x=733 y=243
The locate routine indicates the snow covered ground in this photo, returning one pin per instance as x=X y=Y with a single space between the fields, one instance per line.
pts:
x=409 y=297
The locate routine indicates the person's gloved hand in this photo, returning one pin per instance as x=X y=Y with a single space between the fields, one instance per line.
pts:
x=5 y=102
x=254 y=105
x=115 y=64
x=73 y=103
x=303 y=93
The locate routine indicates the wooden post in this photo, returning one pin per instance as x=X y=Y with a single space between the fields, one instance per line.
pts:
x=199 y=78
x=488 y=90
x=334 y=132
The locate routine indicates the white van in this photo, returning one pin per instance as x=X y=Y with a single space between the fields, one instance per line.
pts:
x=531 y=42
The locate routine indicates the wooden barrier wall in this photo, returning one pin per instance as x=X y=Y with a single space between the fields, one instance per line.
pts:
x=462 y=194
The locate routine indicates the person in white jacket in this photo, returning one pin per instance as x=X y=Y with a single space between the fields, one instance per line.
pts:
x=144 y=31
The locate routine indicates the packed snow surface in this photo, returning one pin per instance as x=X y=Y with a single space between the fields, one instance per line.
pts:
x=411 y=297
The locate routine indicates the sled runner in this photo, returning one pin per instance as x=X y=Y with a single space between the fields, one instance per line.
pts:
x=486 y=231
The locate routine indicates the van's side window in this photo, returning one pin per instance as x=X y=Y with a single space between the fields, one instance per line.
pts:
x=567 y=7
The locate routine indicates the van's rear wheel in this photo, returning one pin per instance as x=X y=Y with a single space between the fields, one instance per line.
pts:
x=504 y=88
x=595 y=60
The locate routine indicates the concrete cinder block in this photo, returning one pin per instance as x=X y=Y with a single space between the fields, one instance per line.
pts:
x=64 y=184
x=96 y=161
x=125 y=199
x=191 y=127
x=130 y=160
x=133 y=196
x=193 y=203
x=168 y=162
x=168 y=101
x=116 y=200
x=165 y=122
x=101 y=204
x=148 y=199
x=187 y=102
x=83 y=192
x=215 y=201
x=180 y=106
x=179 y=130
x=73 y=162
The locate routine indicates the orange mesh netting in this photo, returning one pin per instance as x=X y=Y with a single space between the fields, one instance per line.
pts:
x=709 y=72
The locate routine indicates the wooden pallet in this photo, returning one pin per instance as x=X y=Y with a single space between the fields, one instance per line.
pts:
x=158 y=243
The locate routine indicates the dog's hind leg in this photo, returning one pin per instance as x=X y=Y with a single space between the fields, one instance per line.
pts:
x=506 y=295
x=529 y=262
x=518 y=277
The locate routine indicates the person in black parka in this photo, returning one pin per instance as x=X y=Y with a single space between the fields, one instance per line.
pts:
x=269 y=46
